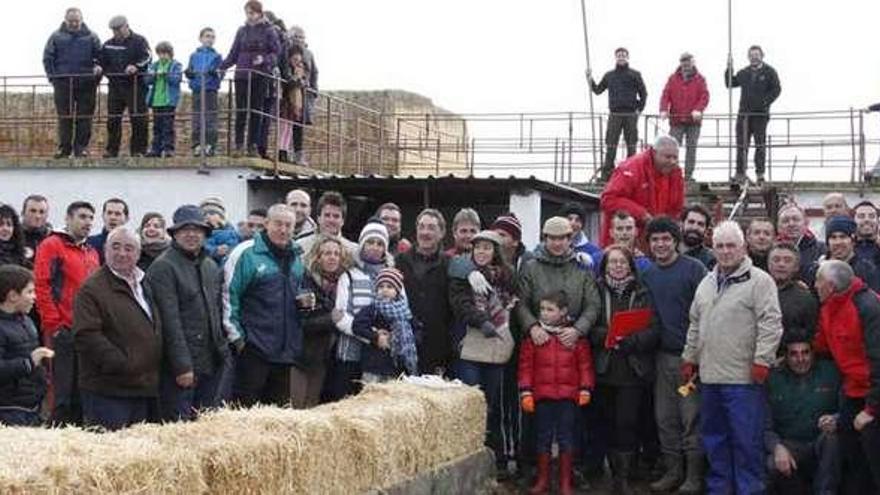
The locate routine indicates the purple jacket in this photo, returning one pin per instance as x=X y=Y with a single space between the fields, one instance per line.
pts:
x=251 y=41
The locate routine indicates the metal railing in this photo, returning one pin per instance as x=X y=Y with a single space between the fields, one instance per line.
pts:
x=343 y=137
x=560 y=146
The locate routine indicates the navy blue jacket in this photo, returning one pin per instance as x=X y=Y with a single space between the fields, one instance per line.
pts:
x=116 y=55
x=21 y=383
x=374 y=360
x=71 y=52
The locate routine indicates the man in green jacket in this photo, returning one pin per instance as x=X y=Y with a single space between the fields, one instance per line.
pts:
x=801 y=438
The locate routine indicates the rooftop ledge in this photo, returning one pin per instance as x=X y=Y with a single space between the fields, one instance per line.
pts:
x=150 y=163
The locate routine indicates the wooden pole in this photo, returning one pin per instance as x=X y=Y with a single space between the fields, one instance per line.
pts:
x=589 y=87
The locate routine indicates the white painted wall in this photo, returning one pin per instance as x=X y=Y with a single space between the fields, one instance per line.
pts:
x=144 y=190
x=526 y=205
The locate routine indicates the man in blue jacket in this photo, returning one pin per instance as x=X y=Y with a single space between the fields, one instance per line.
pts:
x=260 y=312
x=71 y=63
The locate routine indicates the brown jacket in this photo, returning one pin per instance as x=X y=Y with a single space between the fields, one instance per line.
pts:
x=119 y=346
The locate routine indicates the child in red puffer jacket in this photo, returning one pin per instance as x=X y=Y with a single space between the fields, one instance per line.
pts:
x=554 y=380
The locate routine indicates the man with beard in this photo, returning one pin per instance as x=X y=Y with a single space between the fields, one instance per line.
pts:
x=865 y=215
x=799 y=307
x=840 y=238
x=759 y=237
x=695 y=221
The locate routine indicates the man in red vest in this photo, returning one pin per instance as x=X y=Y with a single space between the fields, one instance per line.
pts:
x=849 y=329
x=646 y=185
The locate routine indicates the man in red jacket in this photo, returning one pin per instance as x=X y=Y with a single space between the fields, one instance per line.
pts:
x=684 y=99
x=849 y=328
x=646 y=185
x=64 y=260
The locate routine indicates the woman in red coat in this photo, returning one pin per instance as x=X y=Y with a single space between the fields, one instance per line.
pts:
x=553 y=381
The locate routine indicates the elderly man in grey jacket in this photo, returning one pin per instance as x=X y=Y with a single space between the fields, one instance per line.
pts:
x=735 y=329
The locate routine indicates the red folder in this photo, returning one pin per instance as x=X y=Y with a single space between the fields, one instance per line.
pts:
x=626 y=323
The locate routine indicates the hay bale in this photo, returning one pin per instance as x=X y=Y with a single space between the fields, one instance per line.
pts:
x=385 y=435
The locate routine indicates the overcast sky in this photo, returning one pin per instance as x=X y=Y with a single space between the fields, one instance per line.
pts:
x=474 y=56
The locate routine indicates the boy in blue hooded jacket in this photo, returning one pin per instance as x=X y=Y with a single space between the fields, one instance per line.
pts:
x=163 y=79
x=204 y=81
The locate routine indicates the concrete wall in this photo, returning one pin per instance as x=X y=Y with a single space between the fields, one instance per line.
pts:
x=145 y=190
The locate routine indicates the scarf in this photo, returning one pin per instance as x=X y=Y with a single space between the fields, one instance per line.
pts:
x=11 y=253
x=154 y=249
x=327 y=283
x=372 y=268
x=403 y=340
x=619 y=287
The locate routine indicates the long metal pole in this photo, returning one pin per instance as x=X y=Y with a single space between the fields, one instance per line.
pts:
x=589 y=87
x=729 y=86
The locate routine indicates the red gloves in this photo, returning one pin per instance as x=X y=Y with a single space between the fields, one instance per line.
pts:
x=760 y=373
x=688 y=371
x=584 y=398
x=528 y=403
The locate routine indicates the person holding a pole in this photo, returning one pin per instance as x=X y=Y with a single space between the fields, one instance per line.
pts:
x=626 y=100
x=759 y=88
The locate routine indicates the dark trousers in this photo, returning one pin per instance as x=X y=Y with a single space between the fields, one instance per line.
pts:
x=180 y=403
x=627 y=123
x=114 y=413
x=209 y=116
x=489 y=377
x=620 y=408
x=250 y=101
x=306 y=384
x=818 y=463
x=555 y=419
x=271 y=115
x=227 y=378
x=297 y=132
x=259 y=381
x=342 y=380
x=134 y=98
x=511 y=413
x=860 y=451
x=75 y=104
x=19 y=417
x=748 y=127
x=66 y=408
x=732 y=425
x=691 y=134
x=163 y=129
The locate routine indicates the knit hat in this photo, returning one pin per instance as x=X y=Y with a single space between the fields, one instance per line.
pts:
x=510 y=224
x=187 y=215
x=557 y=226
x=840 y=224
x=373 y=230
x=392 y=276
x=573 y=209
x=213 y=204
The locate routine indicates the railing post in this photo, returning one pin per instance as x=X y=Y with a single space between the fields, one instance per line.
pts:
x=230 y=97
x=556 y=160
x=381 y=150
x=852 y=140
x=397 y=146
x=357 y=143
x=437 y=159
x=277 y=119
x=770 y=157
x=570 y=141
x=203 y=119
x=862 y=165
x=33 y=112
x=328 y=132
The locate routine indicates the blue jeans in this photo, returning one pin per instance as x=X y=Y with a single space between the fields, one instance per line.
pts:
x=556 y=419
x=732 y=425
x=489 y=377
x=19 y=417
x=185 y=403
x=114 y=413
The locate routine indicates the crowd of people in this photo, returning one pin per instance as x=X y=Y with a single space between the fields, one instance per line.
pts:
x=271 y=62
x=692 y=355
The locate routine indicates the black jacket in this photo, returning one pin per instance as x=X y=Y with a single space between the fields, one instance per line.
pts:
x=759 y=260
x=760 y=88
x=187 y=291
x=800 y=309
x=626 y=90
x=116 y=55
x=317 y=327
x=811 y=249
x=71 y=52
x=427 y=287
x=21 y=383
x=704 y=255
x=619 y=368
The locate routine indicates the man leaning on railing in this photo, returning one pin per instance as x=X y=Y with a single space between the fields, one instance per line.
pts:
x=71 y=63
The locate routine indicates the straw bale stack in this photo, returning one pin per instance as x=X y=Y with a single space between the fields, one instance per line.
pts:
x=385 y=435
